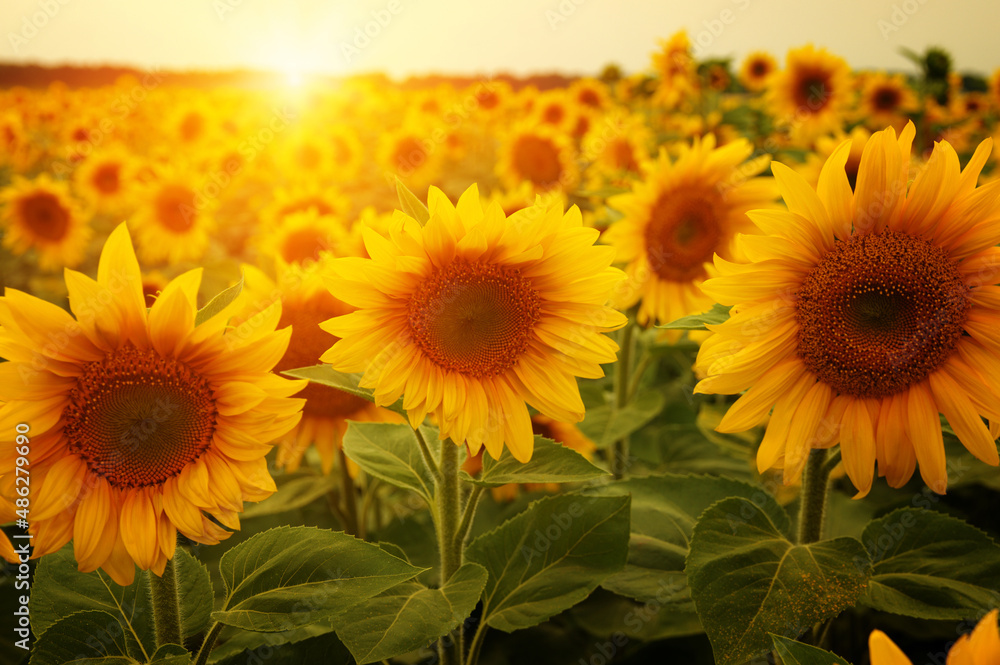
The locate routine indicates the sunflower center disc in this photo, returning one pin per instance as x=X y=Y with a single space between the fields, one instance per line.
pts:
x=682 y=234
x=138 y=418
x=537 y=159
x=46 y=216
x=879 y=313
x=175 y=208
x=474 y=318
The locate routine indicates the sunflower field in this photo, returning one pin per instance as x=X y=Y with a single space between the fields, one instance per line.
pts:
x=694 y=365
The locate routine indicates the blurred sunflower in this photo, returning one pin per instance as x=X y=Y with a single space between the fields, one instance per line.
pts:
x=684 y=211
x=886 y=100
x=302 y=238
x=105 y=180
x=555 y=109
x=41 y=214
x=172 y=219
x=756 y=69
x=302 y=197
x=980 y=647
x=539 y=155
x=346 y=152
x=408 y=154
x=589 y=93
x=616 y=156
x=525 y=311
x=305 y=303
x=142 y=422
x=812 y=93
x=826 y=145
x=864 y=315
x=676 y=69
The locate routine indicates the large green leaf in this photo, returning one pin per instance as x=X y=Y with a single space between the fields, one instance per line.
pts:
x=409 y=616
x=390 y=452
x=288 y=577
x=348 y=383
x=665 y=509
x=91 y=637
x=605 y=614
x=235 y=641
x=931 y=566
x=796 y=653
x=194 y=589
x=325 y=648
x=60 y=589
x=747 y=580
x=550 y=557
x=718 y=314
x=550 y=462
x=606 y=424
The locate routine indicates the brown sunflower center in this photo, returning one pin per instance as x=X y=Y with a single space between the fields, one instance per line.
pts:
x=682 y=234
x=759 y=68
x=308 y=343
x=138 y=418
x=879 y=313
x=623 y=155
x=106 y=178
x=175 y=208
x=812 y=90
x=408 y=154
x=474 y=318
x=536 y=159
x=554 y=114
x=45 y=216
x=306 y=204
x=886 y=99
x=303 y=245
x=589 y=98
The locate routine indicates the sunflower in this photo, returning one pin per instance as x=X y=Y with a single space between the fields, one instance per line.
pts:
x=408 y=154
x=756 y=69
x=812 y=93
x=826 y=145
x=555 y=109
x=677 y=70
x=104 y=179
x=539 y=155
x=980 y=647
x=302 y=197
x=862 y=316
x=144 y=424
x=173 y=219
x=346 y=151
x=886 y=100
x=677 y=218
x=616 y=150
x=41 y=214
x=474 y=314
x=303 y=238
x=589 y=93
x=305 y=303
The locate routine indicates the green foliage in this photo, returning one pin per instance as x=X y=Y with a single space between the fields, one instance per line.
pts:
x=718 y=314
x=410 y=204
x=409 y=616
x=931 y=566
x=606 y=424
x=289 y=577
x=796 y=653
x=220 y=302
x=748 y=579
x=550 y=557
x=390 y=452
x=550 y=462
x=89 y=637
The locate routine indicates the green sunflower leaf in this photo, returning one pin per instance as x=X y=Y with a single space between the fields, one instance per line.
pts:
x=91 y=637
x=327 y=376
x=748 y=580
x=390 y=451
x=550 y=462
x=294 y=491
x=194 y=589
x=171 y=654
x=718 y=314
x=929 y=565
x=247 y=648
x=289 y=577
x=60 y=589
x=796 y=653
x=665 y=509
x=410 y=204
x=409 y=616
x=220 y=302
x=550 y=557
x=605 y=424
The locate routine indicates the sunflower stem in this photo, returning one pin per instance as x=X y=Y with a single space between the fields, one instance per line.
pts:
x=468 y=515
x=619 y=450
x=208 y=644
x=166 y=606
x=448 y=499
x=428 y=457
x=813 y=498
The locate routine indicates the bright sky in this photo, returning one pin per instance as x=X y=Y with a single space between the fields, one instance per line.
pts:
x=481 y=36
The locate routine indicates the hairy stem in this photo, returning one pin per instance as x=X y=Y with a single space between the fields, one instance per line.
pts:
x=813 y=498
x=166 y=606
